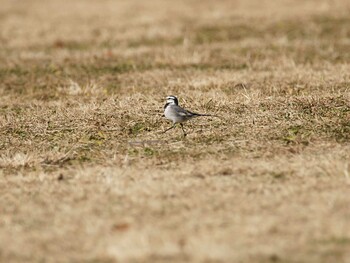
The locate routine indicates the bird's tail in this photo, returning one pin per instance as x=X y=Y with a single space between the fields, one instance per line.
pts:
x=205 y=115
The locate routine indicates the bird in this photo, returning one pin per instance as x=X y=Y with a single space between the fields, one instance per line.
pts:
x=177 y=114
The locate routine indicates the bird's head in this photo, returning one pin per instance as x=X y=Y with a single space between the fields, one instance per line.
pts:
x=172 y=100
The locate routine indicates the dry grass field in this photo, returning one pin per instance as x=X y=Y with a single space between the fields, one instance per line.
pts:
x=86 y=174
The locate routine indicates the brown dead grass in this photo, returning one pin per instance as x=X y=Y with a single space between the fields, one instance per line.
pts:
x=87 y=175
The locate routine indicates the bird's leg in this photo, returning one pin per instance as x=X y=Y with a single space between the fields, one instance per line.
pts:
x=172 y=127
x=183 y=130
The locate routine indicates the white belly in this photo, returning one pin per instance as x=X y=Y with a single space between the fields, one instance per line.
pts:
x=171 y=114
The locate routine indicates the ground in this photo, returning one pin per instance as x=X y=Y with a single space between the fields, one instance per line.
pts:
x=87 y=174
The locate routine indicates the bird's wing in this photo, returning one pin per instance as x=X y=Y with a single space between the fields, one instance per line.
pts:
x=183 y=112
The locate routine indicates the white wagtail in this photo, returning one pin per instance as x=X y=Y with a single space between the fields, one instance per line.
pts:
x=176 y=114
